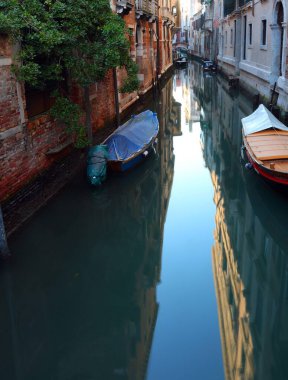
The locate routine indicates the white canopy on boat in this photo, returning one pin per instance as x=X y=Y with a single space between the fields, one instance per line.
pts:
x=260 y=120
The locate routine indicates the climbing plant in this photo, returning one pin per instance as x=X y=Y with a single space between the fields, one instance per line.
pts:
x=79 y=40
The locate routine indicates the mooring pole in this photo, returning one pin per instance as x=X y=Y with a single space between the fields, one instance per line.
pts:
x=4 y=251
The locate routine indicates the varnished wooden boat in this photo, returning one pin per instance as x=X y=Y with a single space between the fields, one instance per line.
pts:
x=265 y=139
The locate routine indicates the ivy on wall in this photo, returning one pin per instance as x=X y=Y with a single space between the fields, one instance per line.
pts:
x=76 y=39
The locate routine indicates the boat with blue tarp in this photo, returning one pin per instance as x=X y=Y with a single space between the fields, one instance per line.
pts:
x=126 y=147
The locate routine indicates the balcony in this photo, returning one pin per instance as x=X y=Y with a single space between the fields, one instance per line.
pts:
x=167 y=16
x=147 y=9
x=123 y=7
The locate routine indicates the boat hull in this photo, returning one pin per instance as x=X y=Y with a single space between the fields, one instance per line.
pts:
x=272 y=176
x=121 y=166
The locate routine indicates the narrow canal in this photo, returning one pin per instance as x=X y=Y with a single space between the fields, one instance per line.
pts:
x=176 y=271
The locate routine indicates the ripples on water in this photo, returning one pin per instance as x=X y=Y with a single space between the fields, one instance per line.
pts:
x=120 y=283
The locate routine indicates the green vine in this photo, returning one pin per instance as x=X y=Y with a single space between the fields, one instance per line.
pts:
x=69 y=114
x=131 y=82
x=76 y=39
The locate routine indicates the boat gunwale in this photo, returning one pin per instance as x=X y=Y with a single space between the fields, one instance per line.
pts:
x=267 y=173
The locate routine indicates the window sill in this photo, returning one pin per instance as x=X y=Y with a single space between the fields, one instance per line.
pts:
x=263 y=47
x=4 y=61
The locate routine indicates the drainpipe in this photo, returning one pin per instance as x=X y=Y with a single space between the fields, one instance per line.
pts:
x=213 y=41
x=158 y=51
x=237 y=38
x=116 y=97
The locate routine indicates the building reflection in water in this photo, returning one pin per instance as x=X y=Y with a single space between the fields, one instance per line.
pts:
x=250 y=253
x=184 y=79
x=79 y=296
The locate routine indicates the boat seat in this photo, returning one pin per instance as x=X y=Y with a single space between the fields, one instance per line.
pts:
x=269 y=146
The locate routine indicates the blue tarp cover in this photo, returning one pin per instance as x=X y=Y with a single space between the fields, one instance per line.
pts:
x=132 y=136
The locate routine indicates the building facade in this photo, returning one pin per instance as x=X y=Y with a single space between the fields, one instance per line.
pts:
x=30 y=141
x=253 y=46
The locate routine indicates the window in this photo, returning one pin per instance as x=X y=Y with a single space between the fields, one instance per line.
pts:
x=4 y=46
x=226 y=38
x=250 y=34
x=263 y=32
x=231 y=37
x=38 y=101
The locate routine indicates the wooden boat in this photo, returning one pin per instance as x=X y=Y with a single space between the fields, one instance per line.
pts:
x=125 y=148
x=209 y=66
x=265 y=140
x=181 y=62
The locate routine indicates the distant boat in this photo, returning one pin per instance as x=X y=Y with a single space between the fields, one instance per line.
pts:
x=265 y=140
x=125 y=148
x=181 y=62
x=209 y=66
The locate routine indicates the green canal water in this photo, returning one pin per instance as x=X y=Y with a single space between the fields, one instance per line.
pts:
x=175 y=271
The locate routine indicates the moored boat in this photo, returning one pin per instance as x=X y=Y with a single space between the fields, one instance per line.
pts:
x=265 y=139
x=181 y=62
x=127 y=146
x=209 y=66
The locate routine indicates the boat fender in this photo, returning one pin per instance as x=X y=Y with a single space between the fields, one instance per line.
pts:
x=248 y=166
x=145 y=154
x=243 y=148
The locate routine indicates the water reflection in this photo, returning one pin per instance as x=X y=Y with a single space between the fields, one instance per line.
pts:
x=250 y=253
x=186 y=342
x=79 y=296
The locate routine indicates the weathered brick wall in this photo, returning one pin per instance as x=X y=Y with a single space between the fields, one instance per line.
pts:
x=24 y=152
x=9 y=106
x=145 y=55
x=28 y=147
x=125 y=100
x=23 y=144
x=165 y=46
x=102 y=102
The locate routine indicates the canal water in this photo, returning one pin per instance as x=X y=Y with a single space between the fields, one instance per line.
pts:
x=177 y=270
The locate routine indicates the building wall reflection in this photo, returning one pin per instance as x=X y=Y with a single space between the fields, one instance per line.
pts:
x=250 y=253
x=79 y=297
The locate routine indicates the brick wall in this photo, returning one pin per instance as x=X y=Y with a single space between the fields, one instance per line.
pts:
x=102 y=102
x=24 y=144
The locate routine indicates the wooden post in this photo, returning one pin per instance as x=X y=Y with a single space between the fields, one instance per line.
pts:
x=4 y=251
